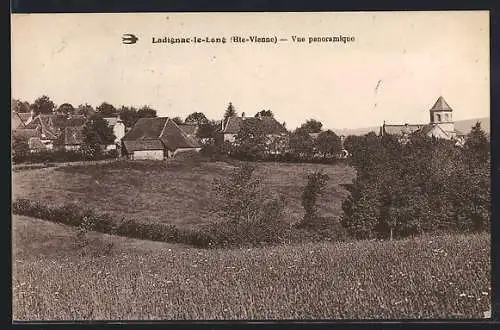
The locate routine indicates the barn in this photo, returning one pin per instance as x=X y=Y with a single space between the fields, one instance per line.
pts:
x=157 y=138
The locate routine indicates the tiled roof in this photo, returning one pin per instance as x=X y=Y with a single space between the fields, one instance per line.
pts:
x=74 y=121
x=441 y=105
x=429 y=128
x=25 y=133
x=19 y=119
x=146 y=128
x=189 y=129
x=157 y=133
x=269 y=125
x=174 y=138
x=46 y=124
x=73 y=135
x=401 y=129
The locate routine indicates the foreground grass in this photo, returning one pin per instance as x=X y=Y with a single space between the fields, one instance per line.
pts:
x=174 y=192
x=119 y=278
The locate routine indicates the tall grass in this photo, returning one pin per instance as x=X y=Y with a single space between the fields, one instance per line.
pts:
x=441 y=277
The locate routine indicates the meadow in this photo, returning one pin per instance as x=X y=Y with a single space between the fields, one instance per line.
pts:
x=120 y=278
x=115 y=277
x=174 y=192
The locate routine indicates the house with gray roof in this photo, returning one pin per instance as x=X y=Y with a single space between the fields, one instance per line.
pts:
x=157 y=138
x=59 y=131
x=270 y=126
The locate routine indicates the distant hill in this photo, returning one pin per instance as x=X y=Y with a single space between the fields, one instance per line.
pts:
x=463 y=126
x=357 y=131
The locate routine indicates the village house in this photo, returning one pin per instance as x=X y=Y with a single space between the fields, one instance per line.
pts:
x=157 y=138
x=270 y=126
x=54 y=131
x=19 y=120
x=441 y=125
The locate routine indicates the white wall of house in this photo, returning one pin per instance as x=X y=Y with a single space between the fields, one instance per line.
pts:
x=48 y=144
x=71 y=147
x=148 y=154
x=119 y=131
x=229 y=137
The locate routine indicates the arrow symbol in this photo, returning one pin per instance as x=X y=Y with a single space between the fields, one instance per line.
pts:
x=129 y=38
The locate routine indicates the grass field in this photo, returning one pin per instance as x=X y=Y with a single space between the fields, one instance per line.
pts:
x=439 y=277
x=120 y=278
x=176 y=193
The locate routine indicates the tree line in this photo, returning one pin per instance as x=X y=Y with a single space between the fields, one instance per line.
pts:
x=306 y=143
x=426 y=185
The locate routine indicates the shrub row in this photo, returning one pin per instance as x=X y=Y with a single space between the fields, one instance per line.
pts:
x=223 y=152
x=219 y=234
x=73 y=215
x=59 y=156
x=266 y=231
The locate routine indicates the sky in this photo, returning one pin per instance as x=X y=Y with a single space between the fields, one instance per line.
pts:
x=395 y=69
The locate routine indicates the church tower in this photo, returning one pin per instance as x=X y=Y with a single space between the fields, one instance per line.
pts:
x=441 y=114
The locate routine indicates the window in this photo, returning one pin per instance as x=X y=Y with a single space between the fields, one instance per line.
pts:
x=438 y=117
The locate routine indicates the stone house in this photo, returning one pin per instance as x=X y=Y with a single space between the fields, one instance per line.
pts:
x=157 y=139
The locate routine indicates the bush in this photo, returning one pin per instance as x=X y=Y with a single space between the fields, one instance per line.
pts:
x=245 y=213
x=316 y=184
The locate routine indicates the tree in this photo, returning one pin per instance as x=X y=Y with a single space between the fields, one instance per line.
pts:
x=65 y=109
x=316 y=184
x=106 y=110
x=20 y=146
x=264 y=113
x=196 y=118
x=128 y=115
x=43 y=105
x=178 y=120
x=301 y=144
x=246 y=211
x=328 y=144
x=207 y=130
x=146 y=112
x=20 y=106
x=96 y=134
x=236 y=194
x=251 y=140
x=85 y=110
x=312 y=126
x=476 y=144
x=230 y=112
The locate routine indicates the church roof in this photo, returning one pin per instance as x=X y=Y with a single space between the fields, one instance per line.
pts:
x=401 y=129
x=441 y=105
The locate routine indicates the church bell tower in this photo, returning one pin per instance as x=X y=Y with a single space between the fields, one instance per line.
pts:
x=442 y=114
